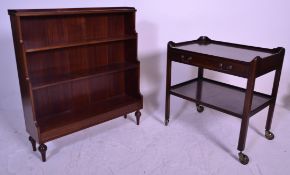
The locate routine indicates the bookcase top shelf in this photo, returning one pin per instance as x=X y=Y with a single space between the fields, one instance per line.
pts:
x=70 y=11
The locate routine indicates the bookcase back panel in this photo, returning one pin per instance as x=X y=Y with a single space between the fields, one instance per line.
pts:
x=75 y=96
x=77 y=60
x=52 y=100
x=57 y=30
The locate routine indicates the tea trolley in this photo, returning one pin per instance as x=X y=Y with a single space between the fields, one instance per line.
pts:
x=234 y=59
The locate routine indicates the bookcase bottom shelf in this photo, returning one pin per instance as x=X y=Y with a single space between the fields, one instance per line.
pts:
x=223 y=97
x=62 y=124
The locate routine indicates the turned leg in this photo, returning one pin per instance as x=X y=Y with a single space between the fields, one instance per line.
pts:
x=138 y=115
x=42 y=149
x=125 y=116
x=268 y=134
x=33 y=143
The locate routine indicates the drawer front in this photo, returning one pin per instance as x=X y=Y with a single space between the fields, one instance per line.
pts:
x=209 y=62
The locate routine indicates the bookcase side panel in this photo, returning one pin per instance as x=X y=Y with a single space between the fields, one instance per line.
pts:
x=130 y=51
x=132 y=82
x=31 y=127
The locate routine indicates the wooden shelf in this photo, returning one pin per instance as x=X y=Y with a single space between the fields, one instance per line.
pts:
x=71 y=121
x=77 y=68
x=248 y=62
x=220 y=96
x=246 y=54
x=86 y=43
x=45 y=82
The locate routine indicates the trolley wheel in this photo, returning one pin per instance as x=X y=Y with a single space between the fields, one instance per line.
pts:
x=243 y=158
x=199 y=108
x=269 y=135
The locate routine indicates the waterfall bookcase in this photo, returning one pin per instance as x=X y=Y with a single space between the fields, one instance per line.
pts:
x=76 y=67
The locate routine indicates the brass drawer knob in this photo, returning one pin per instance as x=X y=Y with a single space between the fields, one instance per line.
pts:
x=230 y=67
x=225 y=67
x=185 y=59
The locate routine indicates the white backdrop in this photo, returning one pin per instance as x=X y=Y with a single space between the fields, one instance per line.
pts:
x=252 y=22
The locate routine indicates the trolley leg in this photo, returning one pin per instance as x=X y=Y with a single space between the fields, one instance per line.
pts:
x=244 y=159
x=268 y=134
x=199 y=107
x=167 y=98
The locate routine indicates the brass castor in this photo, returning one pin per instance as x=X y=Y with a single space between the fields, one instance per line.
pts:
x=269 y=135
x=199 y=108
x=243 y=158
x=166 y=122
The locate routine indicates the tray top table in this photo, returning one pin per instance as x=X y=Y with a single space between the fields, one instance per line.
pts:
x=240 y=60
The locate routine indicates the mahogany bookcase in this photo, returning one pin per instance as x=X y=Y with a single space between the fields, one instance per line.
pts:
x=235 y=59
x=76 y=67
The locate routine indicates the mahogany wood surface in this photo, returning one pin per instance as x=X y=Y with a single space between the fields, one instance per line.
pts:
x=225 y=51
x=229 y=99
x=240 y=60
x=70 y=11
x=76 y=67
x=225 y=57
